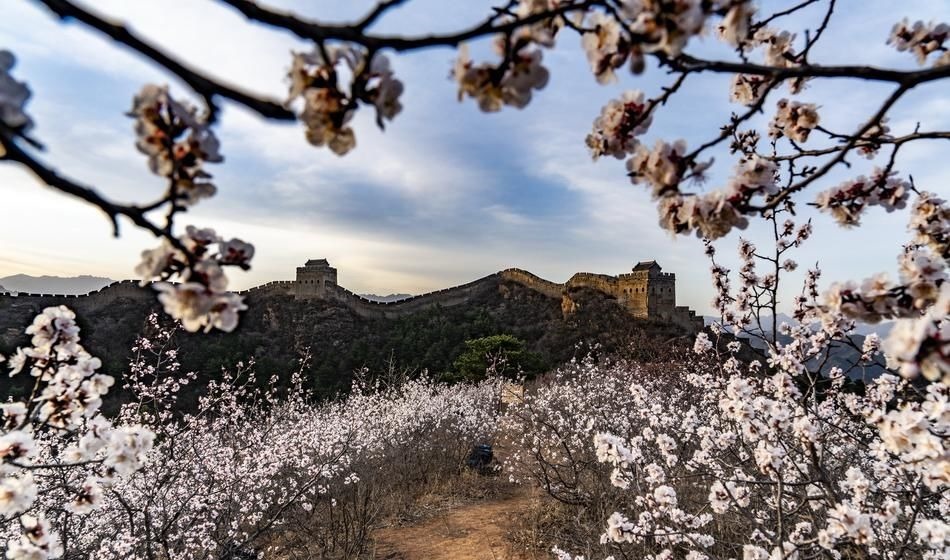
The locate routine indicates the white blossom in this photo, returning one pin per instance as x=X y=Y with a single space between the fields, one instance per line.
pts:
x=13 y=96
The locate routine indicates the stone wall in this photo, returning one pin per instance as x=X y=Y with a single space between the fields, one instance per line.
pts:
x=536 y=283
x=446 y=297
x=276 y=287
x=93 y=301
x=632 y=293
x=644 y=295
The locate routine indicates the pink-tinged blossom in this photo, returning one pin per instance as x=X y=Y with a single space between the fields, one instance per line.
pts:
x=921 y=346
x=921 y=39
x=327 y=110
x=200 y=300
x=620 y=122
x=847 y=201
x=545 y=31
x=176 y=140
x=662 y=168
x=385 y=90
x=794 y=120
x=777 y=46
x=735 y=27
x=747 y=89
x=38 y=541
x=524 y=74
x=930 y=223
x=16 y=445
x=702 y=344
x=606 y=47
x=13 y=96
x=17 y=494
x=664 y=26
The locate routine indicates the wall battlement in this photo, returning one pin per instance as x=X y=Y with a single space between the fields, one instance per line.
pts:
x=646 y=292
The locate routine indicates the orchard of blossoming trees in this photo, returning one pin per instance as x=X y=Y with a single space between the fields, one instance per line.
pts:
x=221 y=481
x=707 y=457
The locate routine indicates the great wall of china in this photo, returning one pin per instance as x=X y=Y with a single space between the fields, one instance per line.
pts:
x=645 y=292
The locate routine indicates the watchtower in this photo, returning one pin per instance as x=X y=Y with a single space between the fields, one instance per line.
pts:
x=647 y=291
x=315 y=280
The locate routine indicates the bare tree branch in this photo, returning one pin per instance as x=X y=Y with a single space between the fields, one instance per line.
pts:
x=135 y=214
x=306 y=29
x=200 y=83
x=908 y=78
x=377 y=12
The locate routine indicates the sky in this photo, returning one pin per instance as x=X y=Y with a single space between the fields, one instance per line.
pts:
x=445 y=194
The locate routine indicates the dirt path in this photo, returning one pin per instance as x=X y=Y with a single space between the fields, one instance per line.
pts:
x=474 y=531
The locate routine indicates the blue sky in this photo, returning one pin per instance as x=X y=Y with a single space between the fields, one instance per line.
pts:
x=447 y=194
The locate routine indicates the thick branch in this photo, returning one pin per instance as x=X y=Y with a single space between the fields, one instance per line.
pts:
x=314 y=31
x=907 y=78
x=377 y=12
x=135 y=214
x=864 y=143
x=201 y=84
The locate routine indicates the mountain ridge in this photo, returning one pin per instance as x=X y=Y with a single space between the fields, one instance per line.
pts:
x=46 y=284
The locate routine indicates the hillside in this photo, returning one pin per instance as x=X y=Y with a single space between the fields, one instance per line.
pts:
x=277 y=330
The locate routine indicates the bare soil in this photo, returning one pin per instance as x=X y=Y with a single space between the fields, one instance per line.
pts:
x=470 y=531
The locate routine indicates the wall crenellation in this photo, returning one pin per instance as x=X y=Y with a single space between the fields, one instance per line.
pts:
x=646 y=292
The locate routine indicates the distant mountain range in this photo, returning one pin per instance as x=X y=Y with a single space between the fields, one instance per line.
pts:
x=386 y=299
x=863 y=329
x=53 y=284
x=76 y=285
x=841 y=355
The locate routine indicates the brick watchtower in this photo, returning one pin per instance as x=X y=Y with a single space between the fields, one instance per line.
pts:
x=647 y=291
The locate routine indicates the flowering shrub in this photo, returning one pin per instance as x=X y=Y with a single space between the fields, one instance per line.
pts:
x=772 y=456
x=706 y=463
x=224 y=479
x=58 y=454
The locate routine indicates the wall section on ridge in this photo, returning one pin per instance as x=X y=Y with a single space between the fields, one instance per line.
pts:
x=644 y=294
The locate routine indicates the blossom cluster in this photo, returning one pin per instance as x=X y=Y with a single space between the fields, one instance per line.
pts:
x=919 y=343
x=58 y=452
x=178 y=143
x=710 y=215
x=610 y=40
x=620 y=121
x=509 y=83
x=13 y=96
x=930 y=224
x=748 y=89
x=327 y=109
x=794 y=120
x=847 y=201
x=922 y=39
x=200 y=300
